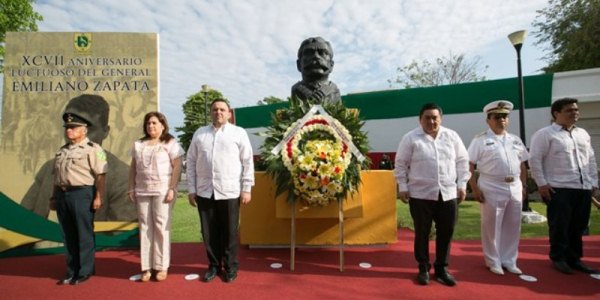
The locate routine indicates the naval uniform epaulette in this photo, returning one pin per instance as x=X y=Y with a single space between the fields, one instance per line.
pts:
x=480 y=134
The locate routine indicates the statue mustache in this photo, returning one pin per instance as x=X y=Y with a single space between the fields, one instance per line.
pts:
x=319 y=63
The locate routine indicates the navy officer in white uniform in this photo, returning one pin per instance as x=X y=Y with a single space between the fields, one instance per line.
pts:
x=500 y=159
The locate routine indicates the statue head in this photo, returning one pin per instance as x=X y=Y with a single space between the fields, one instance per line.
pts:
x=315 y=59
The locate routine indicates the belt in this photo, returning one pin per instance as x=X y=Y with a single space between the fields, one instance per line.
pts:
x=507 y=179
x=74 y=187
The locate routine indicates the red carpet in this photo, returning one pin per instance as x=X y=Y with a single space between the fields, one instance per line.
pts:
x=316 y=277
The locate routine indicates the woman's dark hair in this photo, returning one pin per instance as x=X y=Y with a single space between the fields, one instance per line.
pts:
x=165 y=136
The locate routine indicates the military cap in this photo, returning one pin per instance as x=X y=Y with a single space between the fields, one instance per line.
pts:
x=72 y=119
x=498 y=107
x=91 y=108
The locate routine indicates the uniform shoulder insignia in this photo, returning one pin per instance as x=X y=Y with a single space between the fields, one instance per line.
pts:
x=516 y=139
x=101 y=155
x=480 y=134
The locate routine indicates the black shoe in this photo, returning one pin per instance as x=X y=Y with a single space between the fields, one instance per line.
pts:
x=230 y=276
x=423 y=278
x=66 y=280
x=210 y=274
x=445 y=278
x=80 y=279
x=579 y=266
x=562 y=266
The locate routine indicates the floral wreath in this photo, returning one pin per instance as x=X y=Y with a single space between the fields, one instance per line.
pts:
x=315 y=164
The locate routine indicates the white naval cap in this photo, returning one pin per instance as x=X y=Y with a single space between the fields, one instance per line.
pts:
x=498 y=107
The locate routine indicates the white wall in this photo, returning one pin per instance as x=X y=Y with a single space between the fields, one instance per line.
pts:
x=384 y=135
x=583 y=85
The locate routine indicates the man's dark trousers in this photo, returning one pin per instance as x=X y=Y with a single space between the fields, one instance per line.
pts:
x=76 y=218
x=219 y=220
x=444 y=214
x=568 y=214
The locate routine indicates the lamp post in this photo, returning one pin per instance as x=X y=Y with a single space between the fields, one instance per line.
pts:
x=516 y=39
x=205 y=90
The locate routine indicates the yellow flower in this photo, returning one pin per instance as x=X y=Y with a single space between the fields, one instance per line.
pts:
x=324 y=146
x=325 y=170
x=336 y=154
x=333 y=188
x=311 y=182
x=306 y=162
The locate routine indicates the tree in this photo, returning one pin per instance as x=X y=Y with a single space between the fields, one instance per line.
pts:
x=445 y=70
x=195 y=114
x=16 y=15
x=270 y=100
x=571 y=31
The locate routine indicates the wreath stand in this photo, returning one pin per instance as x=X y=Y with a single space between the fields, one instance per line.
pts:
x=337 y=130
x=340 y=230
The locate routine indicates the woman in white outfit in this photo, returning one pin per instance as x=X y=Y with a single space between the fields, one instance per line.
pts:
x=153 y=176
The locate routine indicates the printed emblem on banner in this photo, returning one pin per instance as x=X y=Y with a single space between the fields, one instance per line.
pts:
x=83 y=42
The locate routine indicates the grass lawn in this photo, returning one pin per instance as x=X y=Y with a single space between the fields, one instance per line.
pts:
x=185 y=226
x=186 y=223
x=469 y=221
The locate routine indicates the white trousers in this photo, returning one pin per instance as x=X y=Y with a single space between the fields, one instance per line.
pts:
x=154 y=216
x=500 y=222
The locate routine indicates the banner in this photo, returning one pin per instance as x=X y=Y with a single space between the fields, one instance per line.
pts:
x=43 y=71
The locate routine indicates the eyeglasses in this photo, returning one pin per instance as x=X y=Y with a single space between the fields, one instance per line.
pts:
x=498 y=117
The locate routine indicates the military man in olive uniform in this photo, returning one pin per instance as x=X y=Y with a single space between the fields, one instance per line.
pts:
x=116 y=206
x=79 y=170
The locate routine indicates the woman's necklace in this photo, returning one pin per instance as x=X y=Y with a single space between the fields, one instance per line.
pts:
x=153 y=149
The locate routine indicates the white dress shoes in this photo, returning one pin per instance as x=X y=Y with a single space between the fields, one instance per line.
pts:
x=514 y=270
x=497 y=270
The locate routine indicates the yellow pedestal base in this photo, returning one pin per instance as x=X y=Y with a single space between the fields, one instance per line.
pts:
x=370 y=215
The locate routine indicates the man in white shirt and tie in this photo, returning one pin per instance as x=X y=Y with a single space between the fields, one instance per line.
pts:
x=563 y=166
x=220 y=174
x=432 y=170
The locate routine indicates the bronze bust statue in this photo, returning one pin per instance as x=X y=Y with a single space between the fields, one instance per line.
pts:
x=315 y=62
